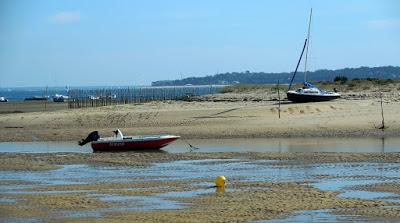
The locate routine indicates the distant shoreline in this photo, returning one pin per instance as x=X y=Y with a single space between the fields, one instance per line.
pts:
x=249 y=77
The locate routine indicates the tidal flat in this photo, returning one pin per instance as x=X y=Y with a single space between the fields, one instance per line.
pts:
x=178 y=187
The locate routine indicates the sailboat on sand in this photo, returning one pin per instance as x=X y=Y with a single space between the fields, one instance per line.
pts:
x=309 y=92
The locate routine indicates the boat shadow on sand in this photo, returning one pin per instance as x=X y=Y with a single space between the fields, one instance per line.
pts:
x=287 y=102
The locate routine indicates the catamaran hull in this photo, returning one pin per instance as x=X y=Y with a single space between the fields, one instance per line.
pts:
x=302 y=98
x=132 y=145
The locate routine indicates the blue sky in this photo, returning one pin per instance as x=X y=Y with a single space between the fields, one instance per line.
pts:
x=67 y=42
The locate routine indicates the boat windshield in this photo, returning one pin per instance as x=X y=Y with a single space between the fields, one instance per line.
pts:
x=308 y=91
x=118 y=134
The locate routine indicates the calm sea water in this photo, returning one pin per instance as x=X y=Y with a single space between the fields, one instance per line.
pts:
x=20 y=93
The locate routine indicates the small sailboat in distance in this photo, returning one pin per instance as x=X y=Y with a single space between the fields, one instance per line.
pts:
x=309 y=92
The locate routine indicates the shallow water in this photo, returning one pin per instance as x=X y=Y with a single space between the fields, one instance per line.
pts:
x=320 y=144
x=43 y=147
x=337 y=176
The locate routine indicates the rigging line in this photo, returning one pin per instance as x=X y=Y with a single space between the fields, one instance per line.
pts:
x=191 y=147
x=298 y=63
x=308 y=38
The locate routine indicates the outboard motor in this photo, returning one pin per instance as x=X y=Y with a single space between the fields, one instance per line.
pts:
x=93 y=136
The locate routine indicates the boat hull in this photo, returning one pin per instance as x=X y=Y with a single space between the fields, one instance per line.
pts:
x=303 y=98
x=132 y=144
x=36 y=99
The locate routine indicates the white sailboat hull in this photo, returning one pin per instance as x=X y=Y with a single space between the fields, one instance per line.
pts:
x=302 y=97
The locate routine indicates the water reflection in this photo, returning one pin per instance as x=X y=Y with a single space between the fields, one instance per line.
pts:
x=318 y=144
x=43 y=147
x=133 y=151
x=220 y=189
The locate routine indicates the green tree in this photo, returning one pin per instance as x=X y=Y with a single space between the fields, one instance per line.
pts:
x=341 y=79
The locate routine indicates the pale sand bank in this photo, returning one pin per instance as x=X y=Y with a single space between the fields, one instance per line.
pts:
x=207 y=119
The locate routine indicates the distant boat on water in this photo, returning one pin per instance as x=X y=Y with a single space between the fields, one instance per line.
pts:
x=59 y=98
x=37 y=98
x=309 y=92
x=3 y=99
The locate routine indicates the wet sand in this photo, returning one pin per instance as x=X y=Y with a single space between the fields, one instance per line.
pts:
x=385 y=187
x=254 y=201
x=48 y=161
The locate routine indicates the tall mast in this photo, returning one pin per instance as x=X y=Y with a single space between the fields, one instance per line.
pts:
x=298 y=63
x=308 y=40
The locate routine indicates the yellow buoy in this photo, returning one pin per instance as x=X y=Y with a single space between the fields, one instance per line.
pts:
x=220 y=181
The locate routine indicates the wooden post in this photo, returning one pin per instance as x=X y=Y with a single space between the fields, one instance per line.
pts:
x=383 y=118
x=279 y=102
x=45 y=102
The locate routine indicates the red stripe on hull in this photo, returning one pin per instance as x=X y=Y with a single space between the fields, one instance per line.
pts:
x=132 y=145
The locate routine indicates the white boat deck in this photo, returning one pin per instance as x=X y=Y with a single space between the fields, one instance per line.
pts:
x=137 y=138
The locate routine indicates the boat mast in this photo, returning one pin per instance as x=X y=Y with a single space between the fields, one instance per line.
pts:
x=308 y=38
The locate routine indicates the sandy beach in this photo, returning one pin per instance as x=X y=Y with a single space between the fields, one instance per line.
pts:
x=247 y=115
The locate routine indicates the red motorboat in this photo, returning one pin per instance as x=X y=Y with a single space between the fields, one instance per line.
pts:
x=127 y=143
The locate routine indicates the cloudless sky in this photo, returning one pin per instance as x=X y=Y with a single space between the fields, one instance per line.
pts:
x=68 y=42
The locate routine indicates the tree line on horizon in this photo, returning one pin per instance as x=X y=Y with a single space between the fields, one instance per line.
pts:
x=247 y=77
